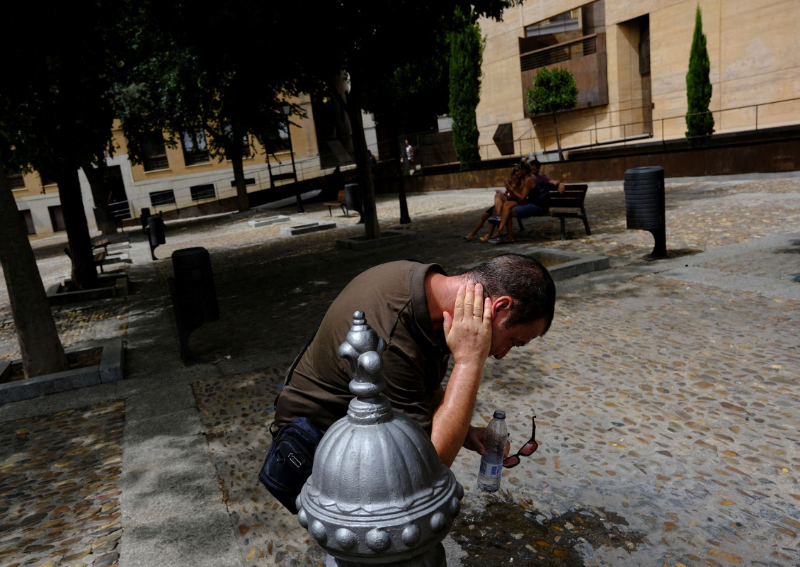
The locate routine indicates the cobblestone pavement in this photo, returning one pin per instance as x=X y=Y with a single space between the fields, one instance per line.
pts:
x=59 y=495
x=667 y=410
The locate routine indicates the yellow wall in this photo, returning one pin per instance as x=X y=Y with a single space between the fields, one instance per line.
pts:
x=304 y=143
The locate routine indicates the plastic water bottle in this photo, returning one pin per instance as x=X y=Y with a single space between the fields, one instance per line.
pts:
x=494 y=441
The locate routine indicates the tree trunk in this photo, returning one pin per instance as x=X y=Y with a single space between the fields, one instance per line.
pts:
x=394 y=155
x=39 y=344
x=234 y=153
x=96 y=177
x=84 y=273
x=558 y=138
x=371 y=228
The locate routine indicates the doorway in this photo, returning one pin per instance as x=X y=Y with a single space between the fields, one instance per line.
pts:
x=117 y=197
x=28 y=220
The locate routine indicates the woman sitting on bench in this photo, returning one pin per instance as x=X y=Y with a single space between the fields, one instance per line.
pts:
x=531 y=200
x=493 y=213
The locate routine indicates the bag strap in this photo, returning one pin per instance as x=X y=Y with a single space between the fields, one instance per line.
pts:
x=289 y=372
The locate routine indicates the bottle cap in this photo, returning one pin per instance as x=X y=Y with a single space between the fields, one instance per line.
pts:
x=499 y=415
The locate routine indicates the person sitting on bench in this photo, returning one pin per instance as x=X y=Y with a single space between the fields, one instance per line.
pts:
x=493 y=213
x=531 y=199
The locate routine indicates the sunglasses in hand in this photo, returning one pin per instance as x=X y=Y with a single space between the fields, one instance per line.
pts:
x=527 y=450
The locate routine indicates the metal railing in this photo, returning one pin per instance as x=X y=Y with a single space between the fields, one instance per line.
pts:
x=755 y=117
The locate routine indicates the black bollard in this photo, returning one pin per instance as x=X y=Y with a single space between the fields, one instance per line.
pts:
x=144 y=216
x=645 y=207
x=155 y=233
x=194 y=296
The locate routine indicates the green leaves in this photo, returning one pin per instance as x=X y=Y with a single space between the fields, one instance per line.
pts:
x=553 y=90
x=466 y=55
x=699 y=121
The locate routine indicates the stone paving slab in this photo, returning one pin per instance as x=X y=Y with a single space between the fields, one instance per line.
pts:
x=59 y=488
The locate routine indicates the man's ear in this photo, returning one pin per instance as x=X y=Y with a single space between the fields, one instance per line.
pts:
x=502 y=304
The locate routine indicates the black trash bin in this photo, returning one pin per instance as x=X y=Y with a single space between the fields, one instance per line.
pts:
x=645 y=204
x=194 y=296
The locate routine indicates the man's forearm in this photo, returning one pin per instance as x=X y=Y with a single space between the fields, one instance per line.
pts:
x=452 y=417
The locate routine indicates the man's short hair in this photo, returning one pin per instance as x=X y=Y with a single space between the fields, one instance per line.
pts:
x=536 y=162
x=523 y=279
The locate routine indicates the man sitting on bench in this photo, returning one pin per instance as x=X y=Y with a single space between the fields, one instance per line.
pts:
x=531 y=199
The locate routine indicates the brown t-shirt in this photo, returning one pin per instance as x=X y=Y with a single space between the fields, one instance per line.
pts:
x=392 y=297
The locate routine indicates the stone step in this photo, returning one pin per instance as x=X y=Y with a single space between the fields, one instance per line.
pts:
x=307 y=228
x=258 y=223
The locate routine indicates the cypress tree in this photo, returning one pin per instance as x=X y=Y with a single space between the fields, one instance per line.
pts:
x=466 y=56
x=699 y=121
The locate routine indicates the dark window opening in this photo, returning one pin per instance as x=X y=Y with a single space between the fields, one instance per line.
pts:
x=247 y=181
x=28 y=220
x=155 y=154
x=161 y=198
x=200 y=192
x=195 y=149
x=57 y=218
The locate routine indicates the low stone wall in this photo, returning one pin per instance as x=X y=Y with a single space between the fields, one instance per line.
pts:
x=759 y=157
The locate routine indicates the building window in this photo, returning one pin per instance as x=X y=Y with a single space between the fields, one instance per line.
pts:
x=283 y=133
x=200 y=192
x=28 y=220
x=195 y=149
x=15 y=180
x=155 y=154
x=57 y=218
x=161 y=198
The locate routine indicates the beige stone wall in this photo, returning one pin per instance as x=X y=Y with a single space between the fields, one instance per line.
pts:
x=754 y=50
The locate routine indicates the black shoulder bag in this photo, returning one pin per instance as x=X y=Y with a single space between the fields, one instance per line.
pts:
x=290 y=458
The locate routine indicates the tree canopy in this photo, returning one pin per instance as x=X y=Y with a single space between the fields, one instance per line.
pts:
x=370 y=46
x=554 y=90
x=466 y=56
x=196 y=73
x=55 y=110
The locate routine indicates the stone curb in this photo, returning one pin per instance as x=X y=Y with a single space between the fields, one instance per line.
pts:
x=120 y=289
x=576 y=264
x=388 y=237
x=308 y=228
x=109 y=370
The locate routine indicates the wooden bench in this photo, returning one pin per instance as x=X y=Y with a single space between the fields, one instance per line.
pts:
x=572 y=199
x=342 y=202
x=98 y=257
x=101 y=244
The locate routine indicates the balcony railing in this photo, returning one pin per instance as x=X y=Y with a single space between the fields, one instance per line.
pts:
x=559 y=53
